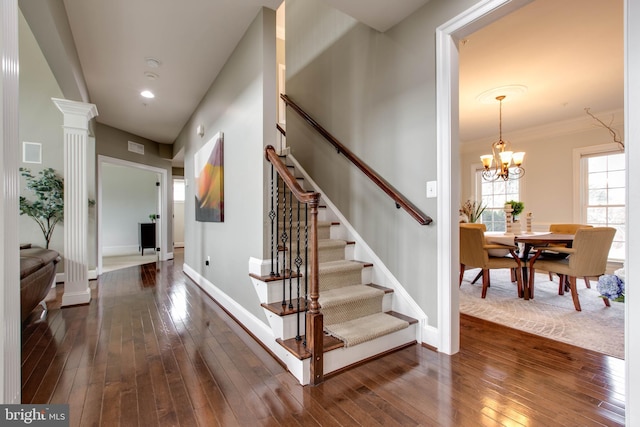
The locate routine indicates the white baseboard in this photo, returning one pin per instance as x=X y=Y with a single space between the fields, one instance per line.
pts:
x=260 y=330
x=120 y=250
x=430 y=336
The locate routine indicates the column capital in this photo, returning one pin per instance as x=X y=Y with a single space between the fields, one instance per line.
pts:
x=76 y=114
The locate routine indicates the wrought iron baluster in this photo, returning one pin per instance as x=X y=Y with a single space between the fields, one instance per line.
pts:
x=284 y=238
x=272 y=216
x=290 y=249
x=277 y=233
x=306 y=263
x=298 y=264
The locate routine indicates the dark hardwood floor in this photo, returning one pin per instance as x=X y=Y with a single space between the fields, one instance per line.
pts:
x=152 y=349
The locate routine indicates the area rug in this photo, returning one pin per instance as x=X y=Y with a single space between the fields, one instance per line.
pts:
x=596 y=327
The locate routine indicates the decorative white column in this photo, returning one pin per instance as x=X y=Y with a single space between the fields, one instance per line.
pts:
x=76 y=200
x=10 y=360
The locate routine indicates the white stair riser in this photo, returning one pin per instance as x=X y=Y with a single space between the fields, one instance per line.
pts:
x=343 y=357
x=269 y=292
x=285 y=326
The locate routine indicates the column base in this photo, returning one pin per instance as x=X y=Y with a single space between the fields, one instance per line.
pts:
x=76 y=298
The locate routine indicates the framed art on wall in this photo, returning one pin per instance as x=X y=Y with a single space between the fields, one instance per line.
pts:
x=209 y=178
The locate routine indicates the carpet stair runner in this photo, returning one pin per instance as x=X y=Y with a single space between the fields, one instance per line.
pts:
x=355 y=311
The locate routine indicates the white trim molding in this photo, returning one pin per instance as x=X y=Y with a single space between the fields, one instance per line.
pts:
x=448 y=152
x=164 y=199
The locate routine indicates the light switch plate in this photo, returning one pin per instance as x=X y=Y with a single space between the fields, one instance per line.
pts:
x=431 y=189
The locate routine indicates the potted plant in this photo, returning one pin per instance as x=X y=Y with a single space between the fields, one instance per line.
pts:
x=517 y=207
x=472 y=210
x=47 y=210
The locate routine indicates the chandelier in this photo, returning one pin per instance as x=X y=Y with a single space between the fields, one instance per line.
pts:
x=506 y=164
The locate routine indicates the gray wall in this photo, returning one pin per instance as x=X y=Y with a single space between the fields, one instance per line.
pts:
x=40 y=121
x=112 y=142
x=376 y=93
x=240 y=104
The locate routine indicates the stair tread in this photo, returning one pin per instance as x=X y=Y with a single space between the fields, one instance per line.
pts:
x=291 y=307
x=297 y=348
x=367 y=328
x=333 y=297
x=343 y=263
x=382 y=288
x=329 y=343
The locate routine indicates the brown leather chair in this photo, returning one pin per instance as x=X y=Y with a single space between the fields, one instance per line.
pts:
x=474 y=253
x=586 y=258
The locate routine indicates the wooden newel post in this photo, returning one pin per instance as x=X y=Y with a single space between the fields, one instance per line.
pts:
x=315 y=326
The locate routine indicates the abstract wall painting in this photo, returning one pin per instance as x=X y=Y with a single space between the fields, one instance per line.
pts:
x=209 y=178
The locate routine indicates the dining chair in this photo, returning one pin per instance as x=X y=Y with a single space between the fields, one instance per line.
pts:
x=474 y=253
x=566 y=229
x=587 y=257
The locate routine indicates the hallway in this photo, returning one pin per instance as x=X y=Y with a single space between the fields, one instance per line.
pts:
x=152 y=349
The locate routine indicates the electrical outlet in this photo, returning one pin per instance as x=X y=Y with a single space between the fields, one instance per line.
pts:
x=431 y=189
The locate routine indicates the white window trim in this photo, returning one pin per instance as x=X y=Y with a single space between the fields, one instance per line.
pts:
x=475 y=185
x=579 y=174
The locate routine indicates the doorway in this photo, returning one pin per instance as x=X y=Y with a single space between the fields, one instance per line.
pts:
x=118 y=223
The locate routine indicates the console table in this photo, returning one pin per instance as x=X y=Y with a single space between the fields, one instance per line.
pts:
x=146 y=236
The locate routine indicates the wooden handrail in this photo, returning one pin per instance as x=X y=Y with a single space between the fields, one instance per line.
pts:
x=399 y=199
x=301 y=195
x=281 y=129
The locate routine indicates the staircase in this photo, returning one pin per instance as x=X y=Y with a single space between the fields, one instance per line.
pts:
x=359 y=302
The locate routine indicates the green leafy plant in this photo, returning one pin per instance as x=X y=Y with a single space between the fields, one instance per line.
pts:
x=47 y=210
x=472 y=210
x=517 y=207
x=153 y=217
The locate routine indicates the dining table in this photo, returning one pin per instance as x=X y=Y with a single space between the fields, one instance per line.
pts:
x=528 y=241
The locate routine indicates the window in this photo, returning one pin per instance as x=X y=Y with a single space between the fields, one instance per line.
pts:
x=494 y=195
x=603 y=192
x=178 y=190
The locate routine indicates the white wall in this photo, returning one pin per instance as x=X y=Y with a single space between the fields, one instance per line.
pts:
x=548 y=164
x=178 y=224
x=129 y=196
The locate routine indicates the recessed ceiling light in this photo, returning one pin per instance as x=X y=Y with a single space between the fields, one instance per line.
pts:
x=147 y=94
x=150 y=75
x=152 y=62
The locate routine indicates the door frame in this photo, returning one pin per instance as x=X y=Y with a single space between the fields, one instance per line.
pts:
x=448 y=151
x=161 y=223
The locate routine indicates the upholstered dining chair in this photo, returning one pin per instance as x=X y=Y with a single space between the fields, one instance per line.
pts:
x=566 y=229
x=474 y=253
x=586 y=258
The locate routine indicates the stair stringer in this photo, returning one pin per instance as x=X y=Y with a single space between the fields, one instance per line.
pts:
x=381 y=275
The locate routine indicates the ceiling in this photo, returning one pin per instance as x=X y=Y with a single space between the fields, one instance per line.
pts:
x=567 y=53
